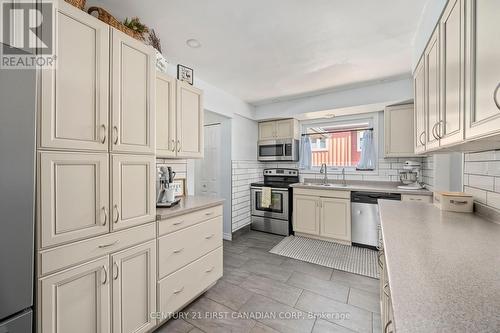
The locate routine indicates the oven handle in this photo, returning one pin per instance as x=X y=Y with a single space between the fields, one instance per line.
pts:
x=258 y=189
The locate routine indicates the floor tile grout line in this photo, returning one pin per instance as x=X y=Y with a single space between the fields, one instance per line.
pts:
x=295 y=304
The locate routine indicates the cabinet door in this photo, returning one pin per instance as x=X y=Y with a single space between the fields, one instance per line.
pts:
x=285 y=129
x=165 y=116
x=432 y=61
x=189 y=121
x=76 y=300
x=134 y=289
x=73 y=196
x=483 y=72
x=398 y=131
x=74 y=96
x=452 y=74
x=267 y=130
x=133 y=92
x=336 y=219
x=419 y=106
x=306 y=214
x=133 y=190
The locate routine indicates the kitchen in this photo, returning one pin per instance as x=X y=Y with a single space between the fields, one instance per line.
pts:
x=332 y=168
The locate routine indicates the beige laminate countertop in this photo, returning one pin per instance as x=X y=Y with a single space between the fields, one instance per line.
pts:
x=188 y=204
x=443 y=268
x=390 y=187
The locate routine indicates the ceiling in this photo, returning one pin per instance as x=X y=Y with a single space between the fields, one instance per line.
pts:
x=263 y=51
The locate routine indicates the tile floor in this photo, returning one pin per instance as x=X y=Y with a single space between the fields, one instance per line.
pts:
x=266 y=293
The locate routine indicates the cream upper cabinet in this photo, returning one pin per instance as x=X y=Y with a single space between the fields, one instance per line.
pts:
x=189 y=120
x=73 y=196
x=76 y=300
x=134 y=289
x=306 y=214
x=452 y=27
x=133 y=190
x=133 y=108
x=335 y=219
x=74 y=96
x=398 y=130
x=165 y=116
x=419 y=107
x=267 y=130
x=482 y=69
x=432 y=63
x=279 y=129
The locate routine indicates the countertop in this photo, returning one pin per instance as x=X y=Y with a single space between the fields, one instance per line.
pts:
x=188 y=204
x=443 y=268
x=357 y=185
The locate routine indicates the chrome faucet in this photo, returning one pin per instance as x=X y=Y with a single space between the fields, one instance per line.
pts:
x=324 y=170
x=344 y=183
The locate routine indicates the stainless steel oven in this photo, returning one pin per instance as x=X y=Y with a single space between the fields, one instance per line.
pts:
x=278 y=150
x=279 y=203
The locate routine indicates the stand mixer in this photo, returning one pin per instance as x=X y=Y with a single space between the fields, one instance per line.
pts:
x=410 y=176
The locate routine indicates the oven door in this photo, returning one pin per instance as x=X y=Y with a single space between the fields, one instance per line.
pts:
x=279 y=203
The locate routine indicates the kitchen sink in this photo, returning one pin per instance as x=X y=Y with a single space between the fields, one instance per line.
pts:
x=333 y=185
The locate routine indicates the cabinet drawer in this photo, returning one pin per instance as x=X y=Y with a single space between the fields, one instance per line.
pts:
x=67 y=255
x=177 y=289
x=418 y=198
x=178 y=249
x=341 y=194
x=179 y=222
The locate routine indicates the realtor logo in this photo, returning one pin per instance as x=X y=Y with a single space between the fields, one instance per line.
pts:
x=27 y=34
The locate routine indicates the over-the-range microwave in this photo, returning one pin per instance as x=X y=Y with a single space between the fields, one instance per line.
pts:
x=278 y=150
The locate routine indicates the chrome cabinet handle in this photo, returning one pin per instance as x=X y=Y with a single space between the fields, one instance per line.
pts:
x=177 y=223
x=105 y=274
x=179 y=291
x=495 y=97
x=173 y=146
x=420 y=138
x=386 y=328
x=103 y=246
x=178 y=145
x=434 y=131
x=208 y=214
x=105 y=211
x=115 y=209
x=115 y=135
x=178 y=251
x=438 y=128
x=210 y=270
x=103 y=140
x=210 y=236
x=458 y=202
x=117 y=272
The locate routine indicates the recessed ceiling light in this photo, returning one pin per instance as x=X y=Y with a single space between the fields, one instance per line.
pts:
x=193 y=43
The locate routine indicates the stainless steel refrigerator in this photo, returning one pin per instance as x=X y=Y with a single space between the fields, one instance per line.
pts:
x=17 y=198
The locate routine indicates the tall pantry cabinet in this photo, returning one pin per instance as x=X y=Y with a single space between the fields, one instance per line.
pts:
x=96 y=253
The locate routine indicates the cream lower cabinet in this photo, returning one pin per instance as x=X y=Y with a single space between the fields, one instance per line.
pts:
x=322 y=214
x=133 y=190
x=134 y=288
x=76 y=300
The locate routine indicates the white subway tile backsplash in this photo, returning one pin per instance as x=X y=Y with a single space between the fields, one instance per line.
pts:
x=479 y=195
x=482 y=177
x=493 y=199
x=481 y=182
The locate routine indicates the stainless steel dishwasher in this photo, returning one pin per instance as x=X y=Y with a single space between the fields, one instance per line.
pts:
x=365 y=218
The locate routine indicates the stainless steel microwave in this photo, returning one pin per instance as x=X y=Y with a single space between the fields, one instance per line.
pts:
x=278 y=150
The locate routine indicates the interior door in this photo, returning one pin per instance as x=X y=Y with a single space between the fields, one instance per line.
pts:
x=165 y=116
x=74 y=196
x=483 y=52
x=208 y=168
x=76 y=300
x=133 y=190
x=189 y=121
x=306 y=214
x=432 y=59
x=420 y=107
x=133 y=97
x=267 y=130
x=336 y=218
x=74 y=96
x=134 y=289
x=452 y=73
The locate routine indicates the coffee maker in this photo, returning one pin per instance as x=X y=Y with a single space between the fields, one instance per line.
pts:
x=164 y=177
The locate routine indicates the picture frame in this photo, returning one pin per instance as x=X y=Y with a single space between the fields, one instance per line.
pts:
x=185 y=74
x=179 y=186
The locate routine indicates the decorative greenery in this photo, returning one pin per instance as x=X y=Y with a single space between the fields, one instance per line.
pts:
x=154 y=40
x=135 y=24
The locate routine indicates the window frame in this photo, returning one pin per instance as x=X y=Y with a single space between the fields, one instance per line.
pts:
x=371 y=119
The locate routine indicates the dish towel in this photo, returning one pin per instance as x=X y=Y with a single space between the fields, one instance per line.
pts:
x=265 y=199
x=305 y=161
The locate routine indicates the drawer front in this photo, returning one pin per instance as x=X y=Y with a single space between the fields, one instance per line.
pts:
x=64 y=256
x=179 y=222
x=178 y=249
x=179 y=288
x=418 y=198
x=328 y=193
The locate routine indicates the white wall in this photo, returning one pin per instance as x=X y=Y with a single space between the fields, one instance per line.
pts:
x=245 y=134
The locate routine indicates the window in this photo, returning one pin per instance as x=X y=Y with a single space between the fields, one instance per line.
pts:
x=347 y=144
